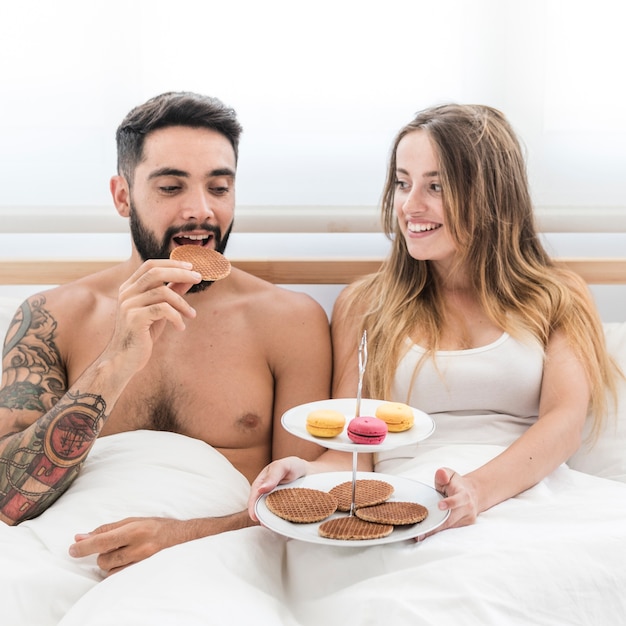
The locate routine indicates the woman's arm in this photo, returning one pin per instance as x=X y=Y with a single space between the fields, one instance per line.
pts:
x=565 y=394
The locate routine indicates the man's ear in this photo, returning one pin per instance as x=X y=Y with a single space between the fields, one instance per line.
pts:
x=120 y=191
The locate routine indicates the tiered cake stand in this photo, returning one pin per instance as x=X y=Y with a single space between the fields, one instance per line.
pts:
x=294 y=421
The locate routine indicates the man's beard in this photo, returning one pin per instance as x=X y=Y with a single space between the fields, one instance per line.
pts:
x=149 y=247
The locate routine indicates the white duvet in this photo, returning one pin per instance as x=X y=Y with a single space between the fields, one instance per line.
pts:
x=553 y=555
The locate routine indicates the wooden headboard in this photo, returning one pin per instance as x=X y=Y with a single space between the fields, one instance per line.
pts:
x=322 y=271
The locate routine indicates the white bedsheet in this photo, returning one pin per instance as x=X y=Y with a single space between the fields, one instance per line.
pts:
x=553 y=555
x=141 y=473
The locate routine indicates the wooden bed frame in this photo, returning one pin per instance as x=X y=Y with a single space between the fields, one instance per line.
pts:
x=322 y=271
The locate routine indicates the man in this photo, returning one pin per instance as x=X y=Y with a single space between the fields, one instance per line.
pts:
x=147 y=345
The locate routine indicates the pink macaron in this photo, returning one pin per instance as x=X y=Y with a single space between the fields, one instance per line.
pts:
x=367 y=430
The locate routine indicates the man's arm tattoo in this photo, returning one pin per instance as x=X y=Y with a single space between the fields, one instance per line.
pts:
x=33 y=376
x=39 y=463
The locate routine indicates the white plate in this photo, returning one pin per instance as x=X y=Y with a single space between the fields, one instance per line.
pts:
x=294 y=421
x=405 y=490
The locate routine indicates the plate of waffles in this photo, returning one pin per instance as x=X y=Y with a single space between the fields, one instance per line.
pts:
x=388 y=509
x=294 y=421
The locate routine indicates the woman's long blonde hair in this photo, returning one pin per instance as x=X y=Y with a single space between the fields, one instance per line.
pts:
x=489 y=214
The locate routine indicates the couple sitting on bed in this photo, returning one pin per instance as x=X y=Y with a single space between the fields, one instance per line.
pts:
x=468 y=320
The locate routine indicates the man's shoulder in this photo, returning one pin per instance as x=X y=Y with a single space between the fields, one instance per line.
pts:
x=76 y=296
x=276 y=296
x=269 y=299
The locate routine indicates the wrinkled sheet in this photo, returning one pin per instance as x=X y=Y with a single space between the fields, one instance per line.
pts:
x=553 y=555
x=141 y=473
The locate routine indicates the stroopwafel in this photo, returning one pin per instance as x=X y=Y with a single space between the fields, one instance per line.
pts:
x=211 y=264
x=395 y=513
x=353 y=528
x=301 y=505
x=367 y=493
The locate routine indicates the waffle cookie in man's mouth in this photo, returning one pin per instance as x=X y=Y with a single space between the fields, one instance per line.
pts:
x=209 y=263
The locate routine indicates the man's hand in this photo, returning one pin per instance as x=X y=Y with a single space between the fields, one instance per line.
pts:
x=133 y=539
x=149 y=299
x=128 y=541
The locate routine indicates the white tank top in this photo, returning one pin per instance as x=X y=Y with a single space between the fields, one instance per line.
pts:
x=486 y=395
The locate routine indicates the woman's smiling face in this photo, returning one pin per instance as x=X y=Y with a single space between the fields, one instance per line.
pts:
x=418 y=200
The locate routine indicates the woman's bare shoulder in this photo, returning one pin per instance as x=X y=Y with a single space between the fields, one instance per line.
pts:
x=349 y=303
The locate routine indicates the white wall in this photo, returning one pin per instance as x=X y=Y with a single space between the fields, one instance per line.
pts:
x=320 y=87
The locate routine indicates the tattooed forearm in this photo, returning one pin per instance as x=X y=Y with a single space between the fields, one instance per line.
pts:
x=51 y=431
x=39 y=464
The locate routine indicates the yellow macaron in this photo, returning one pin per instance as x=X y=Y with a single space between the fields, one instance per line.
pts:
x=398 y=416
x=325 y=423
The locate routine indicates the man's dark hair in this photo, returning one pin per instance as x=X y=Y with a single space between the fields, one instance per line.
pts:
x=171 y=109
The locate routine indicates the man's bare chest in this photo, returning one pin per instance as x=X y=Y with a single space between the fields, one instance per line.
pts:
x=215 y=386
x=225 y=404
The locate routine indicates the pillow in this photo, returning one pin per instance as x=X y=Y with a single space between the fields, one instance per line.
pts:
x=607 y=457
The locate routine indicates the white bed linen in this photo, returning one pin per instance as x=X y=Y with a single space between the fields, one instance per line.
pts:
x=141 y=473
x=553 y=555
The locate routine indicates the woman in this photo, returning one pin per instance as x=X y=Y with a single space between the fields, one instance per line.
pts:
x=468 y=318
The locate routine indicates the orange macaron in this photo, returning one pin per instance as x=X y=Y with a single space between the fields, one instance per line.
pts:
x=325 y=423
x=398 y=417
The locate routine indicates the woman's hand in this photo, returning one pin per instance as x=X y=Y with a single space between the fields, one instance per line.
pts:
x=459 y=498
x=276 y=473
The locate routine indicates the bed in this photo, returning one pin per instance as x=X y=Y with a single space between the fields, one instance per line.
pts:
x=553 y=555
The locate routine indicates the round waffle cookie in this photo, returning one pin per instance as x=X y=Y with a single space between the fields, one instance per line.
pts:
x=209 y=263
x=301 y=505
x=353 y=528
x=395 y=513
x=367 y=493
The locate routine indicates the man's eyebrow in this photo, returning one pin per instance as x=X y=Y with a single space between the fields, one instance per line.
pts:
x=172 y=171
x=168 y=171
x=224 y=171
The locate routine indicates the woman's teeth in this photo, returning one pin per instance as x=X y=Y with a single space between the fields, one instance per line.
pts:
x=421 y=228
